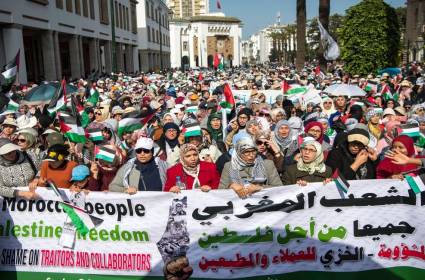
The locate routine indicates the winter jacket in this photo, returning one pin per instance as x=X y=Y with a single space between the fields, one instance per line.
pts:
x=208 y=175
x=273 y=179
x=292 y=175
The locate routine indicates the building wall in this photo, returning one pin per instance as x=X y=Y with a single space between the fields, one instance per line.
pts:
x=53 y=33
x=415 y=28
x=153 y=34
x=188 y=8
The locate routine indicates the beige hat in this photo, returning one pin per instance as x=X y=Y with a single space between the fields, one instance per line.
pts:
x=388 y=111
x=6 y=146
x=129 y=110
x=405 y=83
x=400 y=110
x=10 y=121
x=26 y=122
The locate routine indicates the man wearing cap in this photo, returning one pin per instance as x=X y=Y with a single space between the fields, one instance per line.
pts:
x=142 y=173
x=8 y=127
x=56 y=167
x=16 y=170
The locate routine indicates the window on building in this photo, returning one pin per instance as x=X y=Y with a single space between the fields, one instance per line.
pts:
x=152 y=14
x=147 y=9
x=120 y=15
x=103 y=11
x=133 y=18
x=185 y=46
x=69 y=5
x=153 y=35
x=149 y=34
x=92 y=15
x=85 y=8
x=77 y=4
x=59 y=4
x=157 y=37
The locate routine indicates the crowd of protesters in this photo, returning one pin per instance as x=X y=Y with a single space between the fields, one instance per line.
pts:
x=184 y=142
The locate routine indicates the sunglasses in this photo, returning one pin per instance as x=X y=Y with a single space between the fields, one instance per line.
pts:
x=261 y=143
x=21 y=140
x=329 y=102
x=98 y=113
x=142 y=150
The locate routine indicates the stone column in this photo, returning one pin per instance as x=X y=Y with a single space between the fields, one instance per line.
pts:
x=74 y=53
x=57 y=55
x=119 y=57
x=80 y=44
x=136 y=66
x=14 y=41
x=94 y=53
x=49 y=62
x=108 y=56
x=129 y=58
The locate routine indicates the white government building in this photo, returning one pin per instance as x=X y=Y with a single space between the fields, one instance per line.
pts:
x=195 y=40
x=67 y=38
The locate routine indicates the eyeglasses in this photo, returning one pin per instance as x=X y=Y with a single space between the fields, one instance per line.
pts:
x=263 y=115
x=314 y=131
x=328 y=102
x=21 y=140
x=308 y=150
x=8 y=126
x=261 y=142
x=142 y=150
x=172 y=130
x=250 y=152
x=98 y=113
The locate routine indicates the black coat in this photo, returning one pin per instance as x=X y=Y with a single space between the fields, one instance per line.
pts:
x=341 y=159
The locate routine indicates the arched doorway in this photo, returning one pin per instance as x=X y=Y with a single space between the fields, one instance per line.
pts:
x=196 y=61
x=210 y=60
x=185 y=62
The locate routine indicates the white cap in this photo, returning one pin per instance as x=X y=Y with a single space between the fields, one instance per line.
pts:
x=389 y=111
x=144 y=143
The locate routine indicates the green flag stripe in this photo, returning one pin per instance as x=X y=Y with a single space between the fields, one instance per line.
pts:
x=76 y=220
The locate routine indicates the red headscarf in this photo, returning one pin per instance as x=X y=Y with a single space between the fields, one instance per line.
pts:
x=313 y=124
x=386 y=168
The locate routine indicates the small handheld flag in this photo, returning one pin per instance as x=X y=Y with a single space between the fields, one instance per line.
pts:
x=340 y=181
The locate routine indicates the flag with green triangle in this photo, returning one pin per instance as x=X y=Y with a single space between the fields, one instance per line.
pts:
x=10 y=72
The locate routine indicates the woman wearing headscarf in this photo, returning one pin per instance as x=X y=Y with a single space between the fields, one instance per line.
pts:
x=285 y=138
x=373 y=116
x=16 y=170
x=391 y=131
x=214 y=127
x=267 y=149
x=247 y=172
x=329 y=132
x=169 y=144
x=315 y=130
x=328 y=106
x=239 y=124
x=387 y=169
x=310 y=167
x=191 y=172
x=277 y=114
x=169 y=118
x=352 y=157
x=27 y=142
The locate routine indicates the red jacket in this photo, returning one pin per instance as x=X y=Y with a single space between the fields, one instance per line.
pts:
x=208 y=175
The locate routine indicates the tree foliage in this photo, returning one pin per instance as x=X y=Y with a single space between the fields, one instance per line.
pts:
x=370 y=37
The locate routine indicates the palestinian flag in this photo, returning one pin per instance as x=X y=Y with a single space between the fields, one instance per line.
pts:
x=297 y=90
x=72 y=129
x=10 y=72
x=78 y=110
x=193 y=129
x=386 y=92
x=104 y=153
x=95 y=134
x=229 y=99
x=80 y=218
x=94 y=96
x=12 y=105
x=200 y=77
x=415 y=183
x=192 y=109
x=411 y=130
x=218 y=5
x=133 y=121
x=59 y=100
x=371 y=86
x=288 y=85
x=340 y=181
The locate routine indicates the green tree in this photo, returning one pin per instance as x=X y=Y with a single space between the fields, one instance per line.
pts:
x=370 y=37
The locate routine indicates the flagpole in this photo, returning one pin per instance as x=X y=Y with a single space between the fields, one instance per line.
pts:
x=224 y=122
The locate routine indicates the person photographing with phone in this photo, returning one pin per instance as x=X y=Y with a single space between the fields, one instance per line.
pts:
x=247 y=172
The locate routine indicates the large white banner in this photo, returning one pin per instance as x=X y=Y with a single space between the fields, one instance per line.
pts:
x=377 y=227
